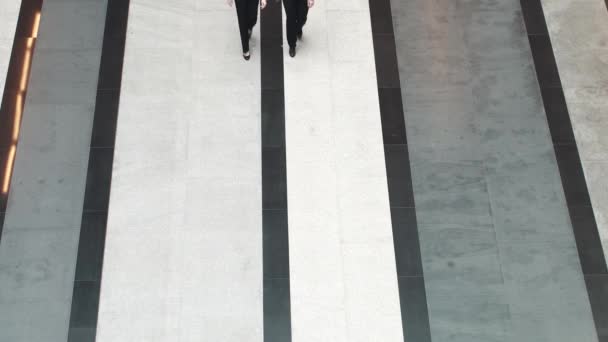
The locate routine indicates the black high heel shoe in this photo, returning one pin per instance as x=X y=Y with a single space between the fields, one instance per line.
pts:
x=292 y=52
x=247 y=55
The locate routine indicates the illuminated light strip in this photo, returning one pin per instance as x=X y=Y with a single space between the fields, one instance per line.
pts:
x=9 y=168
x=18 y=113
x=26 y=66
x=19 y=103
x=36 y=25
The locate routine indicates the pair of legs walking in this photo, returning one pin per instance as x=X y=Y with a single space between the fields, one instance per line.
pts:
x=247 y=12
x=296 y=12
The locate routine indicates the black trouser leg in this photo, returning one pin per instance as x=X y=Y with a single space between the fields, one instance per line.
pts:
x=247 y=13
x=293 y=12
x=253 y=12
x=302 y=14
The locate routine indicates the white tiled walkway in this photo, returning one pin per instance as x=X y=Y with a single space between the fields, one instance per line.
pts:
x=184 y=246
x=343 y=273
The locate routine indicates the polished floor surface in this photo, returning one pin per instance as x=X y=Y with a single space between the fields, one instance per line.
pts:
x=422 y=170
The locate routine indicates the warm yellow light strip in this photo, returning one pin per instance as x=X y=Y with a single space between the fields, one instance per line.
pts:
x=25 y=71
x=18 y=113
x=26 y=66
x=36 y=25
x=9 y=169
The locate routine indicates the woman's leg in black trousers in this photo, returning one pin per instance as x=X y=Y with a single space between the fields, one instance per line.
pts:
x=243 y=16
x=247 y=12
x=302 y=8
x=292 y=21
x=253 y=12
x=296 y=12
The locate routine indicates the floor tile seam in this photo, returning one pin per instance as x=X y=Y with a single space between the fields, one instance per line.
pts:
x=88 y=281
x=88 y=211
x=420 y=160
x=43 y=51
x=273 y=208
x=411 y=276
x=104 y=89
x=92 y=279
x=503 y=292
x=553 y=85
x=535 y=35
x=596 y=275
x=272 y=88
x=402 y=207
x=573 y=90
x=11 y=229
x=458 y=187
x=558 y=239
x=383 y=34
x=564 y=143
x=36 y=300
x=595 y=161
x=277 y=278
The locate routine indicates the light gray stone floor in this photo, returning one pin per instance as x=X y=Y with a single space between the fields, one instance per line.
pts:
x=342 y=263
x=498 y=252
x=9 y=13
x=183 y=257
x=41 y=230
x=579 y=35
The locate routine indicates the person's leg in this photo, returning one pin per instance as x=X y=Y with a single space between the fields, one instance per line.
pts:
x=292 y=21
x=241 y=12
x=252 y=8
x=302 y=8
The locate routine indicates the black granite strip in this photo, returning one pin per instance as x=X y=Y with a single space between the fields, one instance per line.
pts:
x=87 y=281
x=597 y=286
x=412 y=293
x=277 y=305
x=585 y=229
x=15 y=91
